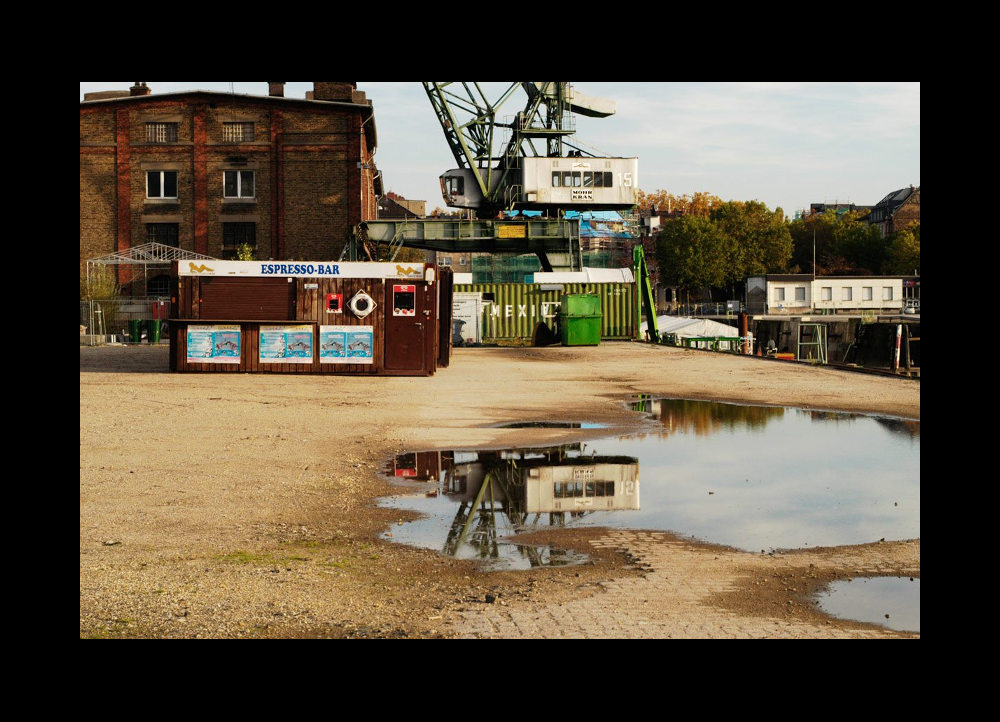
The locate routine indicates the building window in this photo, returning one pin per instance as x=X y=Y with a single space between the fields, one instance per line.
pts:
x=826 y=293
x=235 y=235
x=569 y=489
x=847 y=294
x=444 y=260
x=237 y=184
x=158 y=285
x=886 y=293
x=237 y=132
x=161 y=132
x=866 y=293
x=779 y=294
x=162 y=233
x=800 y=293
x=161 y=184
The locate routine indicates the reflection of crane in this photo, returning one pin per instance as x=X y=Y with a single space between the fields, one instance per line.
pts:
x=520 y=176
x=520 y=483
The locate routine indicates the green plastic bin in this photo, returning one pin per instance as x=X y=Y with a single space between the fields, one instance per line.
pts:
x=580 y=319
x=134 y=331
x=153 y=331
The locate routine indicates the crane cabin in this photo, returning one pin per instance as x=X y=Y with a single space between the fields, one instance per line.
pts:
x=539 y=183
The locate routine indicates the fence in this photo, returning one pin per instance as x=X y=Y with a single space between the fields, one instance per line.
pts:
x=106 y=321
x=725 y=344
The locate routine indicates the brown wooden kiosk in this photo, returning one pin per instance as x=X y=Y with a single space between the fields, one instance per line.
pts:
x=318 y=317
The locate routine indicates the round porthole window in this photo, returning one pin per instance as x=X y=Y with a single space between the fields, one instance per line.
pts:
x=361 y=304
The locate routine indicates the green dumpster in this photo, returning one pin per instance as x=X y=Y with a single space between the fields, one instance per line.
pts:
x=153 y=331
x=580 y=319
x=135 y=331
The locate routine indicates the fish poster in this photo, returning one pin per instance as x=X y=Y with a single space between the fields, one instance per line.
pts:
x=346 y=344
x=286 y=344
x=214 y=344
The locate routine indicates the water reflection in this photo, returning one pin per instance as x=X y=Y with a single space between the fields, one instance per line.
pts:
x=709 y=417
x=705 y=417
x=750 y=477
x=551 y=425
x=487 y=495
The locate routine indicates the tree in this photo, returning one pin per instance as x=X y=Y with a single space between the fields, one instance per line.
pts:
x=758 y=239
x=812 y=237
x=860 y=244
x=99 y=283
x=692 y=253
x=246 y=252
x=903 y=256
x=844 y=244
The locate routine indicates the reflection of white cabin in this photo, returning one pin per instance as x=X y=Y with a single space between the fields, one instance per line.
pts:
x=582 y=487
x=575 y=485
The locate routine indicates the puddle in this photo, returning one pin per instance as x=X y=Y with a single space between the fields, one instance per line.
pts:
x=551 y=425
x=892 y=602
x=757 y=478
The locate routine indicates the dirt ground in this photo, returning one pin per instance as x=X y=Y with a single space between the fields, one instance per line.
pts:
x=243 y=506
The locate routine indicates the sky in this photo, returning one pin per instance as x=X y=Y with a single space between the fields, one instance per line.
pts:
x=786 y=145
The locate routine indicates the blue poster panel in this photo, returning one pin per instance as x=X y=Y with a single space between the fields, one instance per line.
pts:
x=346 y=344
x=286 y=344
x=214 y=344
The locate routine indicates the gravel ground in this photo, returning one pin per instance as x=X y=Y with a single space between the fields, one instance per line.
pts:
x=243 y=506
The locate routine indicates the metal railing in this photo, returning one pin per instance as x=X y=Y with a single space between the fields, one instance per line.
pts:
x=104 y=321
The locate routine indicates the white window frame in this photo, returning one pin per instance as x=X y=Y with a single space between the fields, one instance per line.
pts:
x=886 y=293
x=239 y=184
x=779 y=294
x=800 y=293
x=847 y=293
x=867 y=293
x=163 y=185
x=826 y=293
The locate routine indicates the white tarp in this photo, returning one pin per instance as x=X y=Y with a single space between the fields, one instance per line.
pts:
x=691 y=327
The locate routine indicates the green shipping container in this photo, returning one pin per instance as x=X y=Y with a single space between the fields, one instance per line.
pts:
x=512 y=311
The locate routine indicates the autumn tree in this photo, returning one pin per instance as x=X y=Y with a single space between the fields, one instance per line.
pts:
x=700 y=203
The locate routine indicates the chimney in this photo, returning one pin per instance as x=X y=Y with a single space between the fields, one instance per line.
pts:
x=276 y=89
x=139 y=89
x=343 y=92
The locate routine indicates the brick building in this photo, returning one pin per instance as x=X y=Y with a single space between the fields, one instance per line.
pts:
x=896 y=211
x=208 y=171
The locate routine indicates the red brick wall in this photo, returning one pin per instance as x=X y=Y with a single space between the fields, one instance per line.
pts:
x=309 y=190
